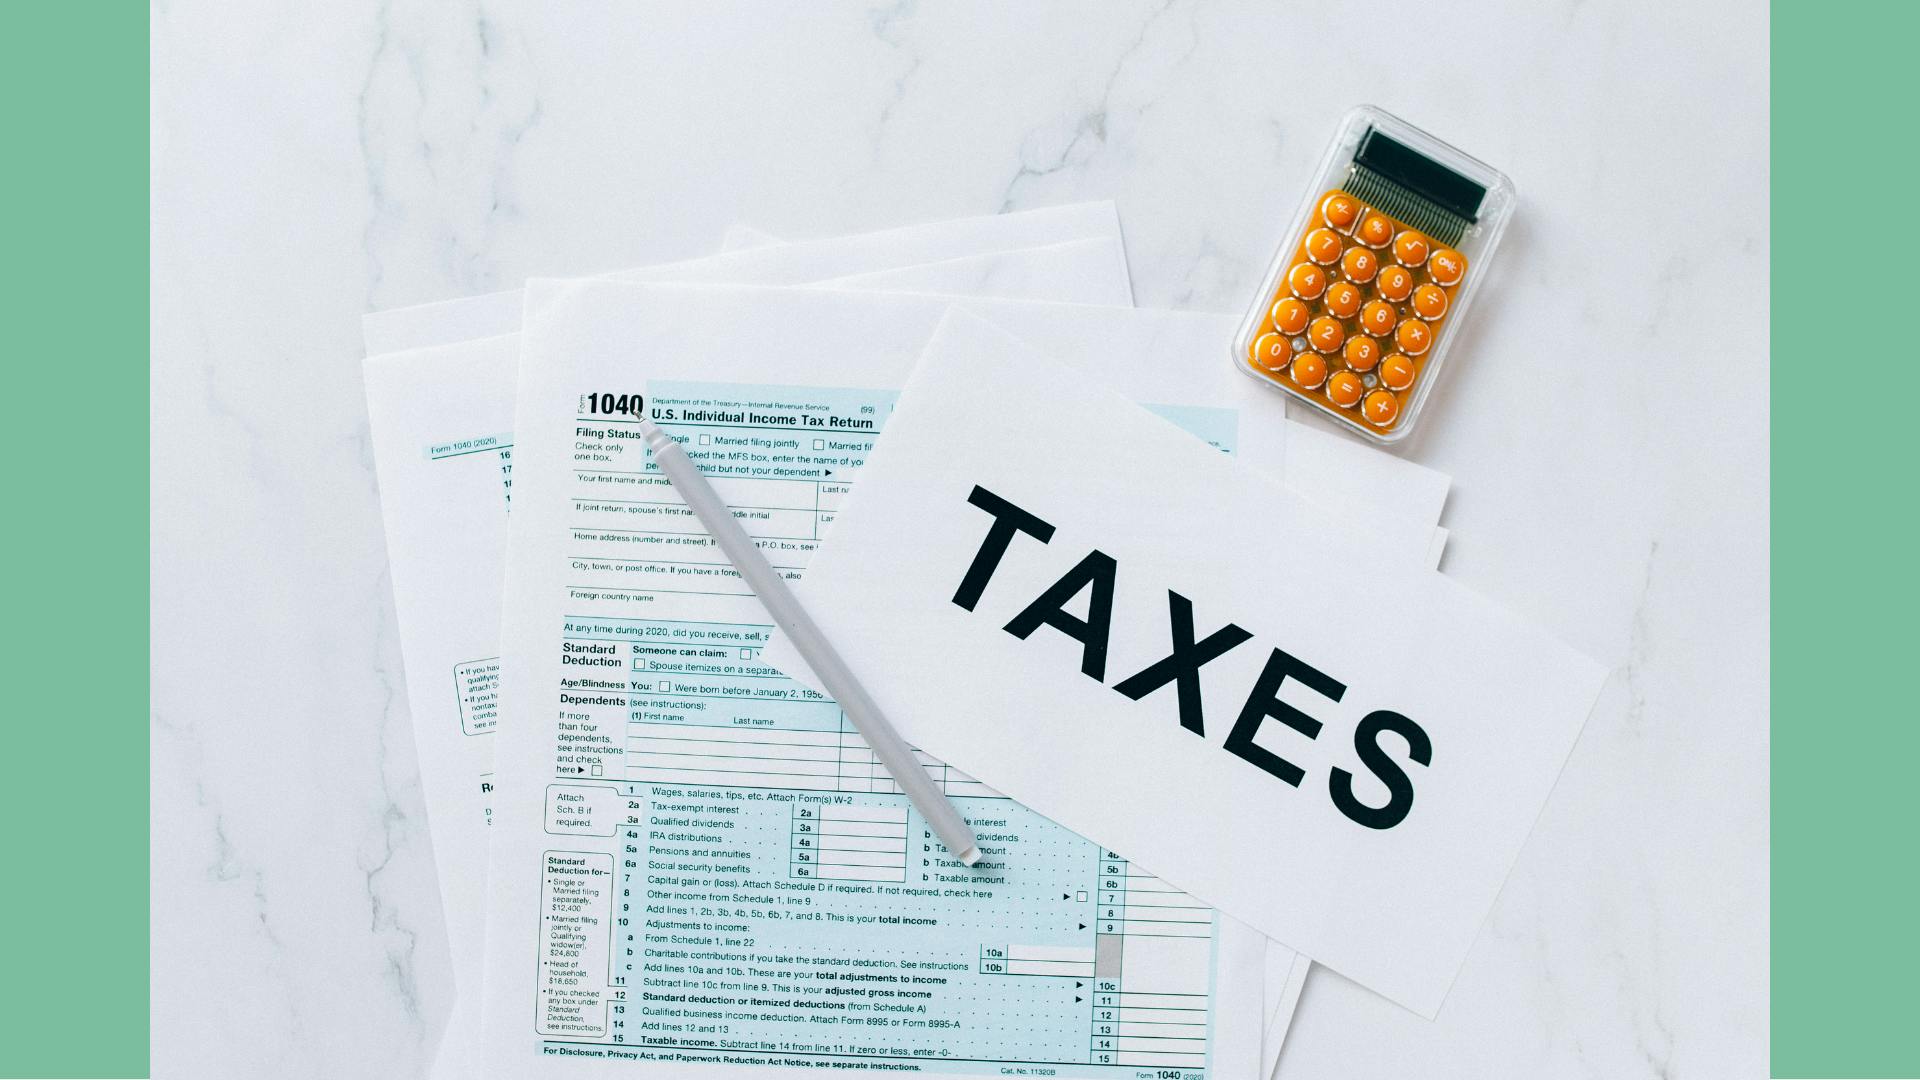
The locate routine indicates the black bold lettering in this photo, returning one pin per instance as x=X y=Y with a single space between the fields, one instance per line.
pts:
x=1182 y=666
x=1366 y=743
x=1264 y=701
x=1007 y=520
x=1096 y=570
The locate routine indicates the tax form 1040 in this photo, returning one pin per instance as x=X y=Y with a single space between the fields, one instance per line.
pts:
x=771 y=895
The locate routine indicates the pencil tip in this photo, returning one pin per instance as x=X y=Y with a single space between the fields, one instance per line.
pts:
x=970 y=856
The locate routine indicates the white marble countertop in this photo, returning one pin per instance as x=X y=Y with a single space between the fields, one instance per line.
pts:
x=1607 y=435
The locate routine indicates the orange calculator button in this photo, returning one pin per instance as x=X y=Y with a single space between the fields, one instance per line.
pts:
x=1344 y=389
x=1381 y=408
x=1430 y=301
x=1413 y=337
x=1323 y=246
x=1271 y=351
x=1446 y=266
x=1396 y=372
x=1342 y=299
x=1290 y=316
x=1410 y=248
x=1326 y=334
x=1309 y=370
x=1362 y=352
x=1375 y=231
x=1338 y=211
x=1378 y=317
x=1395 y=283
x=1359 y=264
x=1307 y=281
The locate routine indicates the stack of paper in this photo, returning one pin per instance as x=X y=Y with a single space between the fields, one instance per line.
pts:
x=692 y=859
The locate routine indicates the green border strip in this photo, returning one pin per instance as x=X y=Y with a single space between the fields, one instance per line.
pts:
x=1846 y=744
x=74 y=635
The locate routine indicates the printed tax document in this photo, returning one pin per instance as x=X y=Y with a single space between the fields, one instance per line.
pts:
x=447 y=549
x=692 y=710
x=441 y=420
x=447 y=540
x=1142 y=638
x=444 y=503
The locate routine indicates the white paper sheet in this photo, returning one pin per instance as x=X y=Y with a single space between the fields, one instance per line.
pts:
x=473 y=317
x=1076 y=272
x=1058 y=272
x=1229 y=788
x=1286 y=977
x=441 y=419
x=742 y=237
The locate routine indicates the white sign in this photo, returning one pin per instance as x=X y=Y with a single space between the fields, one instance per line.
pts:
x=1054 y=590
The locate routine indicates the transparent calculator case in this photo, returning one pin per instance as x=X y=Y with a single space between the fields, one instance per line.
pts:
x=1357 y=312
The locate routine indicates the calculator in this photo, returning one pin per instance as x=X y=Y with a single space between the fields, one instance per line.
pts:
x=1358 y=309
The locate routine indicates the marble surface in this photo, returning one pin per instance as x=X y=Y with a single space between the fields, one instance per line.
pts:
x=1605 y=421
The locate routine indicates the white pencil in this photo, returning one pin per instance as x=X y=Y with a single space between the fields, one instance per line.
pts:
x=771 y=588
